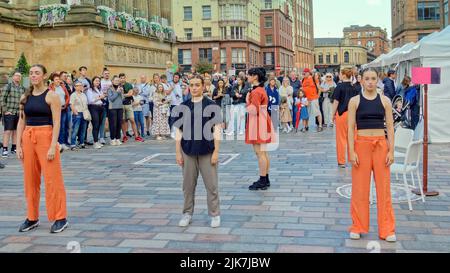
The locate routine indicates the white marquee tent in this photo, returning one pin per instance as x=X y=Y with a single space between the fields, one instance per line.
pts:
x=432 y=51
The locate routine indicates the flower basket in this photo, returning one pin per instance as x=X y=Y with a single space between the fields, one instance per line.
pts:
x=52 y=14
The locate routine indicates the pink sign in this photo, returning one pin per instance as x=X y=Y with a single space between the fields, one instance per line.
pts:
x=426 y=75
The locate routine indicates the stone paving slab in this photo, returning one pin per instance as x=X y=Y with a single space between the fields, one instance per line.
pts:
x=116 y=206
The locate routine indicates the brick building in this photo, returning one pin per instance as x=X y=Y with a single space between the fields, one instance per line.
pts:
x=414 y=19
x=375 y=39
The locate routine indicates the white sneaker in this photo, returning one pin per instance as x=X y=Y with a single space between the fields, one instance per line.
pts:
x=118 y=142
x=185 y=221
x=355 y=236
x=391 y=239
x=230 y=134
x=215 y=221
x=113 y=142
x=102 y=141
x=97 y=145
x=5 y=153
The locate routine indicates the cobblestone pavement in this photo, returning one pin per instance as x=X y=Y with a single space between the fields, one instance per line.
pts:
x=116 y=205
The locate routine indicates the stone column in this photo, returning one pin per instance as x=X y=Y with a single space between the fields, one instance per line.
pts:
x=165 y=7
x=155 y=8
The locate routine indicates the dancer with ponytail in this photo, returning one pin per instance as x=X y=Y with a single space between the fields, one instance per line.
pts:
x=371 y=152
x=38 y=148
x=259 y=125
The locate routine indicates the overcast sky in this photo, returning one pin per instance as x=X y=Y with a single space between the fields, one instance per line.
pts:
x=331 y=16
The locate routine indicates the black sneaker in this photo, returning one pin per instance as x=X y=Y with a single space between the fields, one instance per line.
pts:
x=13 y=152
x=28 y=225
x=148 y=133
x=59 y=226
x=129 y=135
x=89 y=144
x=258 y=185
x=307 y=129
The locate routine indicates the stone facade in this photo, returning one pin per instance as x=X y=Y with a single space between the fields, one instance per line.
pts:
x=406 y=26
x=82 y=39
x=333 y=53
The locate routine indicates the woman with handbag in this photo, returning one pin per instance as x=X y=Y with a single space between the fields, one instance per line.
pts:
x=80 y=115
x=328 y=87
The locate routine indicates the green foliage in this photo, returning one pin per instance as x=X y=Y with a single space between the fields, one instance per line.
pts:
x=22 y=65
x=204 y=66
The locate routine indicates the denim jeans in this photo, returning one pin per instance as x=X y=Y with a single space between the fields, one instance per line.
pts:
x=64 y=129
x=102 y=125
x=78 y=125
x=139 y=119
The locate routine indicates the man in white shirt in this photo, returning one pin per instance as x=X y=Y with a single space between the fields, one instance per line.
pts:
x=105 y=84
x=177 y=99
x=146 y=94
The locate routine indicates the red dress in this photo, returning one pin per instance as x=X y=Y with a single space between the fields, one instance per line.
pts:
x=259 y=125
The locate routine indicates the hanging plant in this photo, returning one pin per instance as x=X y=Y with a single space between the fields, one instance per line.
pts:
x=52 y=14
x=128 y=21
x=108 y=16
x=157 y=30
x=169 y=33
x=143 y=25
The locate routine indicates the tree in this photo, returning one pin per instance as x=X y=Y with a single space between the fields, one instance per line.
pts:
x=204 y=66
x=22 y=65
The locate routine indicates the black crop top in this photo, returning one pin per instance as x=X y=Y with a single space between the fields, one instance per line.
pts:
x=370 y=113
x=37 y=111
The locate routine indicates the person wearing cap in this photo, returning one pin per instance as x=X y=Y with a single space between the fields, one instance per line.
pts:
x=389 y=84
x=311 y=92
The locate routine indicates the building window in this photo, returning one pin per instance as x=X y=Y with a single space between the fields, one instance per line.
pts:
x=206 y=12
x=238 y=55
x=328 y=58
x=187 y=13
x=429 y=11
x=269 y=58
x=268 y=4
x=223 y=32
x=205 y=54
x=237 y=33
x=268 y=22
x=223 y=55
x=188 y=33
x=346 y=57
x=185 y=56
x=335 y=58
x=207 y=32
x=320 y=58
x=269 y=40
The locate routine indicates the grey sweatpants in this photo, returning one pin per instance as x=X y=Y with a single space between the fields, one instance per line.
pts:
x=192 y=166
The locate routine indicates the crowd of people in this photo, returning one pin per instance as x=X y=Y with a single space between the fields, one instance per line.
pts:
x=59 y=113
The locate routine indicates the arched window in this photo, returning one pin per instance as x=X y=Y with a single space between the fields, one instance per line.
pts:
x=320 y=58
x=335 y=58
x=346 y=57
x=328 y=58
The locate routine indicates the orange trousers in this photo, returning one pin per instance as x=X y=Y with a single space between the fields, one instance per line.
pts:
x=342 y=137
x=36 y=142
x=372 y=153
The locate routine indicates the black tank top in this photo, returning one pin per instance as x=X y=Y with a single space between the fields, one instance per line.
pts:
x=37 y=111
x=370 y=113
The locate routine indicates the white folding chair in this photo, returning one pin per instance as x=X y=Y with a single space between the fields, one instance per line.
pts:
x=403 y=137
x=411 y=164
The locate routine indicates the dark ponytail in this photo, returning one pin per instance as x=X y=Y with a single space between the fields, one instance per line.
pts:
x=260 y=72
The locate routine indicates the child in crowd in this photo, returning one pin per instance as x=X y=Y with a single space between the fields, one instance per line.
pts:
x=285 y=116
x=138 y=102
x=302 y=113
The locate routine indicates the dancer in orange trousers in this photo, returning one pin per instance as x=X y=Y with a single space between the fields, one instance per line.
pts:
x=37 y=147
x=342 y=94
x=371 y=152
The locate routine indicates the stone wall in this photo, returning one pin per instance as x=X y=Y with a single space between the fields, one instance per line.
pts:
x=80 y=40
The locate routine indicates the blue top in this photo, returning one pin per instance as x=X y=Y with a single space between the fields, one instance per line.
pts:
x=274 y=98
